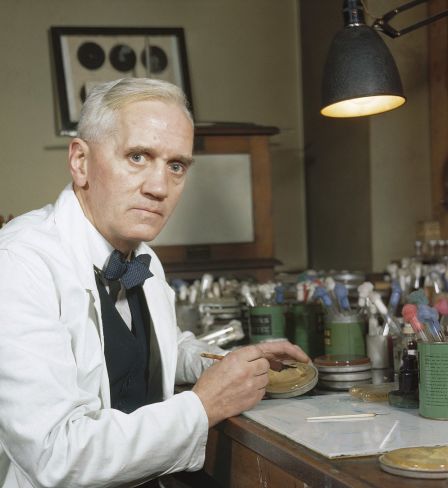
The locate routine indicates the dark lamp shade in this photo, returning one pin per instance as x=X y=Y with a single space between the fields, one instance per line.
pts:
x=360 y=75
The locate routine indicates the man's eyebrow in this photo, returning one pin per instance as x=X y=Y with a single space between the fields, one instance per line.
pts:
x=184 y=159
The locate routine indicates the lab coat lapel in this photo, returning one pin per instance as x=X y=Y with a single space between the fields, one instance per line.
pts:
x=70 y=222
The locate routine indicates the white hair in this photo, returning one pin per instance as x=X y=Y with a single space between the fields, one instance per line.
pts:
x=99 y=112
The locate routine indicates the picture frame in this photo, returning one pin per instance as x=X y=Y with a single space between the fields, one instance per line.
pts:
x=84 y=56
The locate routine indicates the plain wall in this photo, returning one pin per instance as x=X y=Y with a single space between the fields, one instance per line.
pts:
x=244 y=66
x=400 y=147
x=368 y=178
x=337 y=157
x=368 y=181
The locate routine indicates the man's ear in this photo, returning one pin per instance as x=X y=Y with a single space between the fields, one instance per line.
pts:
x=78 y=153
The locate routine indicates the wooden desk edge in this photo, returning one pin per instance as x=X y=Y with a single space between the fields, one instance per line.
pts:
x=292 y=458
x=298 y=462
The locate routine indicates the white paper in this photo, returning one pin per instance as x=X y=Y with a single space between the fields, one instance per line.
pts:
x=361 y=437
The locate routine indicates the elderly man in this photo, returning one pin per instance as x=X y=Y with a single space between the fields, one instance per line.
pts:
x=89 y=349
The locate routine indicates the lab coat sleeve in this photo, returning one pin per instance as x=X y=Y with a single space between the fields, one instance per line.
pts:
x=190 y=365
x=57 y=434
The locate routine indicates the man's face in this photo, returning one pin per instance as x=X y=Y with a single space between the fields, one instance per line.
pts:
x=134 y=178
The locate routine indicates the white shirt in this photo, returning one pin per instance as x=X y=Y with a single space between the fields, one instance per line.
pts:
x=100 y=250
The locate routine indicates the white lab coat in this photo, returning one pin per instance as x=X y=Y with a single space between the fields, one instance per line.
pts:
x=57 y=428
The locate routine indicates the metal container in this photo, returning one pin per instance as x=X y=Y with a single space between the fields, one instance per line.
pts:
x=266 y=322
x=433 y=379
x=221 y=309
x=345 y=334
x=351 y=280
x=305 y=327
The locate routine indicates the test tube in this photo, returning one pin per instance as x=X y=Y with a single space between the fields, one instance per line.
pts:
x=409 y=313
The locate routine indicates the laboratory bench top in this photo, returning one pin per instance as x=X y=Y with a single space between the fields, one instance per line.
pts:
x=242 y=453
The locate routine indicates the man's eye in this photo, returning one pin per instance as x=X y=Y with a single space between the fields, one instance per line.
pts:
x=137 y=158
x=178 y=168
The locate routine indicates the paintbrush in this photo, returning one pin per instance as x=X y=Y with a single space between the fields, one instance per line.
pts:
x=276 y=365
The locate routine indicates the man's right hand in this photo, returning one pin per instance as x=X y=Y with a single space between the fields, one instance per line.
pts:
x=238 y=381
x=234 y=384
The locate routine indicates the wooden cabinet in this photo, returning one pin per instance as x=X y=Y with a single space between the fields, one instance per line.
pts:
x=253 y=256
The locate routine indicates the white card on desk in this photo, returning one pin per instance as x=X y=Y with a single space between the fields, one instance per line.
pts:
x=354 y=437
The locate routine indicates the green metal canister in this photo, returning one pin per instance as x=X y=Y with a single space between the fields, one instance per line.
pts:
x=266 y=322
x=305 y=327
x=345 y=334
x=433 y=379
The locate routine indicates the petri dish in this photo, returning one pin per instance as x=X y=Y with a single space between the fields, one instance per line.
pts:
x=417 y=462
x=373 y=393
x=337 y=363
x=292 y=382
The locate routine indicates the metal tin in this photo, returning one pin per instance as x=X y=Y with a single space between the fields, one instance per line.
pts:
x=345 y=334
x=341 y=385
x=305 y=327
x=433 y=380
x=361 y=375
x=266 y=322
x=351 y=280
x=224 y=308
x=342 y=363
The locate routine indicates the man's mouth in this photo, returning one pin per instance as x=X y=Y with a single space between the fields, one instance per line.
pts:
x=150 y=210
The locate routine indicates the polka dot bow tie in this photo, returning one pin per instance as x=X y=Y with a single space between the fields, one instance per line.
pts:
x=130 y=273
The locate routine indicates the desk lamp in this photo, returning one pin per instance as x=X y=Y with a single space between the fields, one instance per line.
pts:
x=360 y=74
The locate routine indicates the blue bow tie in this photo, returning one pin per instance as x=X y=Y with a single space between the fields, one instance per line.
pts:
x=130 y=273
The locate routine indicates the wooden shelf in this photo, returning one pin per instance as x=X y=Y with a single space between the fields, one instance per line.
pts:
x=259 y=269
x=257 y=255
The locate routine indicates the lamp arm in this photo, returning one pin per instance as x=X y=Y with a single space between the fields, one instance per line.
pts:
x=381 y=24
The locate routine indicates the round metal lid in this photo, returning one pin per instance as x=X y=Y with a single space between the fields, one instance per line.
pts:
x=338 y=363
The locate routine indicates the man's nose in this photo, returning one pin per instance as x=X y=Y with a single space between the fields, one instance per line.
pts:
x=155 y=183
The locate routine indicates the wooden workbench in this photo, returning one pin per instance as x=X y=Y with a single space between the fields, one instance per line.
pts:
x=243 y=454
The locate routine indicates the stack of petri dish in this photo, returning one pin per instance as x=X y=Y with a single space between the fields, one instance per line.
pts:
x=341 y=372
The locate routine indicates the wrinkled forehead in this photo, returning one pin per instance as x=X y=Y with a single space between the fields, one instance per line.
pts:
x=116 y=103
x=155 y=115
x=149 y=123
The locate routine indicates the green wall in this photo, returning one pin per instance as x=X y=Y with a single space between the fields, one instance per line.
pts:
x=244 y=66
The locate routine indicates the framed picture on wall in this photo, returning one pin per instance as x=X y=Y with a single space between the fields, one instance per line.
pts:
x=85 y=56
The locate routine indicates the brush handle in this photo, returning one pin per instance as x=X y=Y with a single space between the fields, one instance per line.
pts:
x=209 y=355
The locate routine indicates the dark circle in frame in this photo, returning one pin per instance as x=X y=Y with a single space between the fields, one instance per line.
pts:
x=158 y=60
x=122 y=58
x=83 y=93
x=91 y=55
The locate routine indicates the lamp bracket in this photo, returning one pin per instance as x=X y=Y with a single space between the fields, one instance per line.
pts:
x=381 y=24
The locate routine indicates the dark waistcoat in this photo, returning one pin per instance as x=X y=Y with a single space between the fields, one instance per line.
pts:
x=132 y=357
